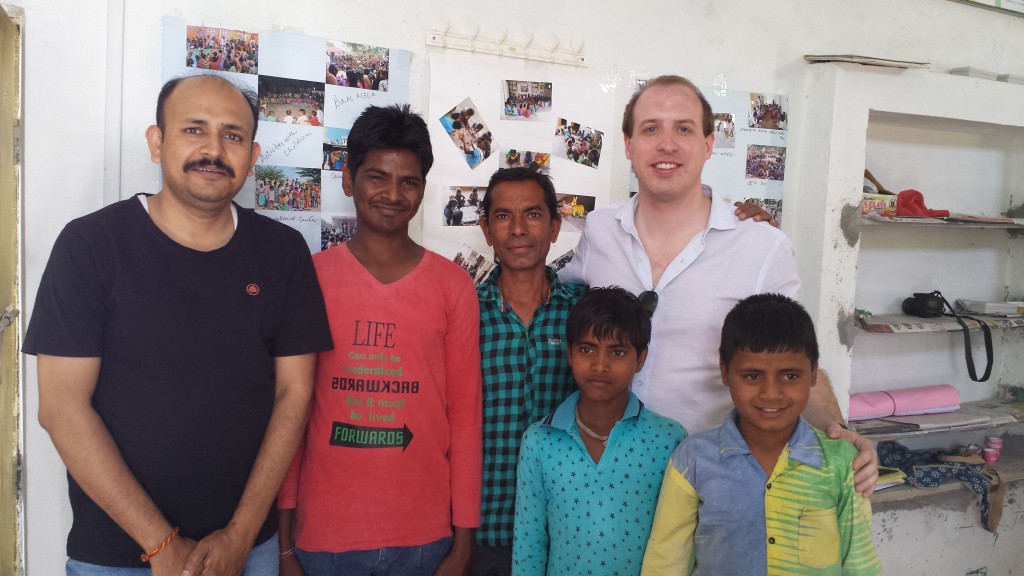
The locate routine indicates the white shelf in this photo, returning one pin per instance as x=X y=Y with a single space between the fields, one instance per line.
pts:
x=1001 y=414
x=947 y=223
x=903 y=324
x=960 y=142
x=1010 y=467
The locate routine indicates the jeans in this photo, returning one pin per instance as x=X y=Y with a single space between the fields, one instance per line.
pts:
x=396 y=561
x=263 y=561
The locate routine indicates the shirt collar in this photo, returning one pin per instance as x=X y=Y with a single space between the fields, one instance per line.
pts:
x=804 y=446
x=488 y=289
x=564 y=417
x=626 y=214
x=722 y=215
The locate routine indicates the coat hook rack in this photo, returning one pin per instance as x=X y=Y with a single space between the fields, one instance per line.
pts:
x=500 y=45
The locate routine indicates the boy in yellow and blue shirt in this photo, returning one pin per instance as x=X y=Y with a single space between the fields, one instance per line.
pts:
x=765 y=493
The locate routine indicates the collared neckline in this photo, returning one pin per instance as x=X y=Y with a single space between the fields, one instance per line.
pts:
x=804 y=446
x=722 y=216
x=564 y=417
x=488 y=289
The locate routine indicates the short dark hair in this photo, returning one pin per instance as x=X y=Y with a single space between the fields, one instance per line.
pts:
x=393 y=127
x=610 y=313
x=250 y=96
x=521 y=174
x=708 y=119
x=768 y=323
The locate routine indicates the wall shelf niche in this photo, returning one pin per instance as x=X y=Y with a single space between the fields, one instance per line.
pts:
x=958 y=140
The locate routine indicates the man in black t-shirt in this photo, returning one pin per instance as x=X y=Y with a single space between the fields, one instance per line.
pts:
x=176 y=337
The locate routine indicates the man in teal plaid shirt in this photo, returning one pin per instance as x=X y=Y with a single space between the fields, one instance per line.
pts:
x=523 y=310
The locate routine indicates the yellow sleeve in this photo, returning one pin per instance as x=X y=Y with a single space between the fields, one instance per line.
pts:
x=857 y=546
x=670 y=547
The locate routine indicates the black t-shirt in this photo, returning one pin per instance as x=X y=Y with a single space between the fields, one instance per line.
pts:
x=187 y=341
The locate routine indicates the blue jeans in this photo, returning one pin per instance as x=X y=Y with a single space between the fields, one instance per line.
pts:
x=396 y=561
x=263 y=561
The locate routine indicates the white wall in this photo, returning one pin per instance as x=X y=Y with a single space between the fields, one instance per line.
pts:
x=64 y=68
x=88 y=103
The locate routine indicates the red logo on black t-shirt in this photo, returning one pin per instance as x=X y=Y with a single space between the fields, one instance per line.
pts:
x=252 y=289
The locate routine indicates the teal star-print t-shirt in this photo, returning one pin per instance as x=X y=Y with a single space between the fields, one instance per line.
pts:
x=581 y=518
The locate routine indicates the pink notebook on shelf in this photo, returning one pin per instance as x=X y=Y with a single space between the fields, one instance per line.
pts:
x=904 y=402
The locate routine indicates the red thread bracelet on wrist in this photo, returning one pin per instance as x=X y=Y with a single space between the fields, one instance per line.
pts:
x=146 y=557
x=288 y=552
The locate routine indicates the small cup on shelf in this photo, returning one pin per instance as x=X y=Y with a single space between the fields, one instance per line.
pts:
x=990 y=455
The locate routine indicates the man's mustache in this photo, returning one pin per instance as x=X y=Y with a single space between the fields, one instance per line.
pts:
x=209 y=163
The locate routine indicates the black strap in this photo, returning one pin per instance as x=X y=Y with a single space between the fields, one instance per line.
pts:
x=967 y=341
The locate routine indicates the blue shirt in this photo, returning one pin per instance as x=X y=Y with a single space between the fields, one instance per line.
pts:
x=448 y=123
x=581 y=518
x=718 y=505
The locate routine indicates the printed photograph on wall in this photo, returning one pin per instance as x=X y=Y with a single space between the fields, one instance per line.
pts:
x=357 y=66
x=462 y=206
x=768 y=111
x=526 y=100
x=335 y=149
x=725 y=130
x=208 y=48
x=477 y=265
x=536 y=161
x=749 y=156
x=291 y=101
x=766 y=162
x=336 y=229
x=574 y=209
x=560 y=262
x=289 y=72
x=287 y=188
x=469 y=132
x=577 y=143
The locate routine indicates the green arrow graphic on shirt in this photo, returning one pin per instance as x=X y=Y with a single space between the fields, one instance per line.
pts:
x=352 y=436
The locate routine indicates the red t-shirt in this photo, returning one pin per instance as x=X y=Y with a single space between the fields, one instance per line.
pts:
x=392 y=453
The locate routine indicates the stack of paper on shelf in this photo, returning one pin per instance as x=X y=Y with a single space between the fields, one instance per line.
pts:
x=879 y=427
x=998 y=412
x=936 y=421
x=994 y=308
x=904 y=402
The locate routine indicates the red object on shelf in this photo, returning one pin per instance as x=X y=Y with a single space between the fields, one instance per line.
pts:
x=911 y=203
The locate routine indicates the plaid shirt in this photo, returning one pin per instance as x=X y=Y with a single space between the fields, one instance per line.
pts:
x=525 y=377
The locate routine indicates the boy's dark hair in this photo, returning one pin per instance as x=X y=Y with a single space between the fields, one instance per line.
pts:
x=611 y=313
x=393 y=127
x=521 y=174
x=768 y=323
